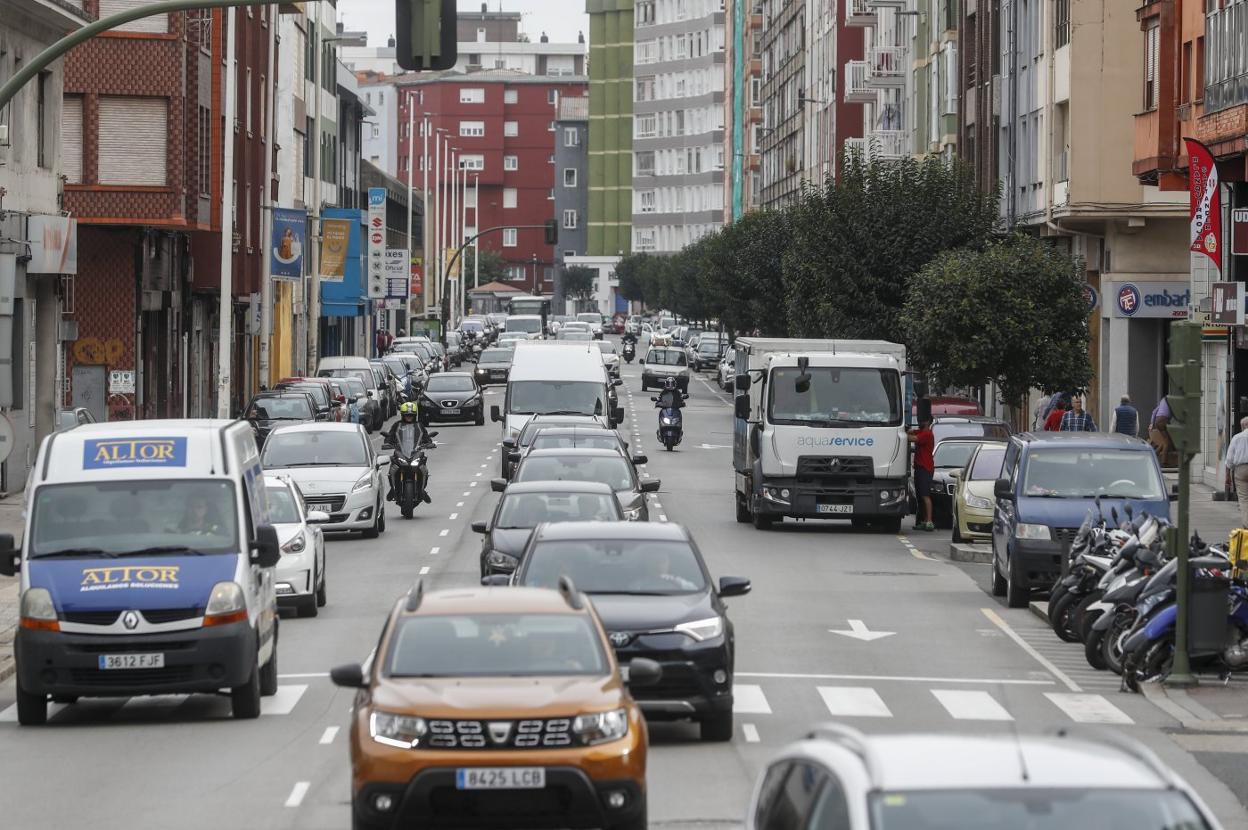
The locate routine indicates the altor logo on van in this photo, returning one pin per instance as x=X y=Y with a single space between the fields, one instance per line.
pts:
x=116 y=577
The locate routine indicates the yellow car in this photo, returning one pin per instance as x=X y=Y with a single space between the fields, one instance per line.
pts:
x=973 y=500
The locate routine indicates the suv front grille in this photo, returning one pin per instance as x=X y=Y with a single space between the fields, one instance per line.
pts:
x=833 y=465
x=498 y=734
x=90 y=617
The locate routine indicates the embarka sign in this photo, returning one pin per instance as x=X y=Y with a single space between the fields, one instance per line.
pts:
x=1206 y=202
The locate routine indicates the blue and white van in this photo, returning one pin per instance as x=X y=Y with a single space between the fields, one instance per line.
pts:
x=146 y=567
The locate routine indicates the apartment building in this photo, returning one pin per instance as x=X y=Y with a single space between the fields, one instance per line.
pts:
x=571 y=203
x=783 y=143
x=743 y=106
x=933 y=87
x=830 y=119
x=979 y=82
x=381 y=132
x=611 y=123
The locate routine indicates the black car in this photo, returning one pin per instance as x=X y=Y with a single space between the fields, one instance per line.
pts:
x=494 y=365
x=269 y=410
x=452 y=396
x=525 y=506
x=514 y=448
x=581 y=438
x=950 y=455
x=657 y=600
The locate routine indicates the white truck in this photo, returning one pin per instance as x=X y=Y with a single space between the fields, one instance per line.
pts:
x=820 y=431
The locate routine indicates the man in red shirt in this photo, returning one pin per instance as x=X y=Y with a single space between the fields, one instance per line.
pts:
x=924 y=442
x=1054 y=422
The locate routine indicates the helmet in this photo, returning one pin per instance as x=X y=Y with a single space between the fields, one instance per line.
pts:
x=669 y=383
x=408 y=408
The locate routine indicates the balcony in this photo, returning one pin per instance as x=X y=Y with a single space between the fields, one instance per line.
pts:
x=859 y=14
x=888 y=144
x=890 y=4
x=856 y=147
x=857 y=87
x=887 y=66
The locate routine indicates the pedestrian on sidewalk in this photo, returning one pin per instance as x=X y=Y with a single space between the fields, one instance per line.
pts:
x=1076 y=420
x=1053 y=421
x=1040 y=412
x=924 y=467
x=1237 y=468
x=1125 y=419
x=1158 y=432
x=383 y=342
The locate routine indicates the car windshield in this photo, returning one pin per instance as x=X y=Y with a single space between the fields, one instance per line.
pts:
x=590 y=317
x=528 y=325
x=616 y=566
x=528 y=510
x=314 y=448
x=667 y=357
x=614 y=471
x=969 y=429
x=953 y=453
x=495 y=645
x=355 y=386
x=1033 y=808
x=117 y=518
x=553 y=397
x=836 y=397
x=598 y=439
x=1085 y=473
x=988 y=464
x=450 y=383
x=475 y=326
x=275 y=409
x=606 y=346
x=282 y=507
x=709 y=346
x=397 y=365
x=495 y=356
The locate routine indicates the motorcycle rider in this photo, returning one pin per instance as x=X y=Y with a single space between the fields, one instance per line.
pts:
x=671 y=397
x=408 y=414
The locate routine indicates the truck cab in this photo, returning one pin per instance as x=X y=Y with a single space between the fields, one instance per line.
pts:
x=820 y=431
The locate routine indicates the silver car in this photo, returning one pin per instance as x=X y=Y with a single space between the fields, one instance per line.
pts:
x=336 y=470
x=663 y=362
x=607 y=466
x=300 y=575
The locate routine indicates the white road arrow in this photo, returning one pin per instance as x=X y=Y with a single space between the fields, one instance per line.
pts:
x=858 y=630
x=713 y=446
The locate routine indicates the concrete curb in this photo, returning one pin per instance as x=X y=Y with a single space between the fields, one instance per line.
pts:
x=1194 y=717
x=1040 y=609
x=960 y=552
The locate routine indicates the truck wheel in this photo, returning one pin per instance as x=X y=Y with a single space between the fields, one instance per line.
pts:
x=32 y=709
x=245 y=699
x=892 y=526
x=761 y=521
x=743 y=509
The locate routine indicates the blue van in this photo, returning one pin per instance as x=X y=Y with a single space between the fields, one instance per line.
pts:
x=1048 y=483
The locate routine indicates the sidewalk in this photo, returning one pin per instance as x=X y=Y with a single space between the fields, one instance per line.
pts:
x=10 y=522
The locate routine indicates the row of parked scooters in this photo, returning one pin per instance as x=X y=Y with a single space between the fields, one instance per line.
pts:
x=1118 y=597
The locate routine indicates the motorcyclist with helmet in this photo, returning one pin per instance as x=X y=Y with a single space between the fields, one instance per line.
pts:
x=408 y=415
x=671 y=397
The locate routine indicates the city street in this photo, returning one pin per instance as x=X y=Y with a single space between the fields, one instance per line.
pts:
x=877 y=630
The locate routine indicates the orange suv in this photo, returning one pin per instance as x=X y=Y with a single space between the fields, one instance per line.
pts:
x=496 y=707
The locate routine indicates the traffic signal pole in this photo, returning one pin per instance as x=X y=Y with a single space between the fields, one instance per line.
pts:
x=1184 y=374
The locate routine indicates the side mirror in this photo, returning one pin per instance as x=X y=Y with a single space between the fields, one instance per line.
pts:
x=617 y=414
x=498 y=485
x=496 y=414
x=617 y=382
x=640 y=459
x=1001 y=489
x=10 y=556
x=496 y=580
x=741 y=406
x=266 y=550
x=431 y=434
x=368 y=393
x=643 y=672
x=480 y=527
x=742 y=382
x=350 y=676
x=317 y=516
x=650 y=486
x=734 y=586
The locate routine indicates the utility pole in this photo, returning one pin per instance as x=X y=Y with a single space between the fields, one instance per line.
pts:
x=476 y=220
x=313 y=304
x=266 y=285
x=437 y=211
x=1184 y=429
x=225 y=315
x=411 y=155
x=424 y=210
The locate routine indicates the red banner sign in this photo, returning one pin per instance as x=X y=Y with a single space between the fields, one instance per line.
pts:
x=417 y=275
x=1206 y=202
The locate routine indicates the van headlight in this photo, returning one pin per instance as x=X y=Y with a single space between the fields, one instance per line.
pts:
x=403 y=731
x=226 y=604
x=364 y=483
x=501 y=560
x=38 y=611
x=600 y=727
x=700 y=630
x=1029 y=531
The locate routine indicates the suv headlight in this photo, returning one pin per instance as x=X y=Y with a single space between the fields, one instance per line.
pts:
x=1028 y=531
x=601 y=727
x=226 y=604
x=700 y=630
x=364 y=483
x=978 y=502
x=403 y=731
x=295 y=545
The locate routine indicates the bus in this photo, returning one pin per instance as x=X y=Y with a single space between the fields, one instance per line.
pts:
x=526 y=304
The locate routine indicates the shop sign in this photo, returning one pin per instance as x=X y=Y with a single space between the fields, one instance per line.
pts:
x=1169 y=300
x=1239 y=231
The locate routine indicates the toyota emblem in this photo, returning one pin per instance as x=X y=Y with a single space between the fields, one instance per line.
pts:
x=130 y=620
x=619 y=639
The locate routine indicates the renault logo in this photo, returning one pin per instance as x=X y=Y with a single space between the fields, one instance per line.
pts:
x=500 y=731
x=619 y=639
x=130 y=620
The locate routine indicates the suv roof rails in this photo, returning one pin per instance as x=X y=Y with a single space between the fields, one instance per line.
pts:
x=414 y=596
x=1129 y=746
x=570 y=595
x=852 y=740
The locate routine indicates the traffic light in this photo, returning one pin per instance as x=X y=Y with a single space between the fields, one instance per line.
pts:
x=552 y=232
x=1183 y=372
x=425 y=34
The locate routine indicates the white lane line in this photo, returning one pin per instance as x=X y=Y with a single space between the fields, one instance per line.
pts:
x=297 y=793
x=327 y=737
x=453 y=517
x=304 y=675
x=444 y=532
x=483 y=466
x=284 y=701
x=662 y=517
x=750 y=731
x=477 y=475
x=895 y=678
x=472 y=484
x=972 y=705
x=460 y=503
x=656 y=504
x=854 y=702
x=748 y=699
x=1027 y=647
x=424 y=570
x=434 y=551
x=1088 y=708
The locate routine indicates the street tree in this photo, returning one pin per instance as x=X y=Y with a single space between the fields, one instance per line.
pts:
x=1012 y=312
x=578 y=282
x=493 y=266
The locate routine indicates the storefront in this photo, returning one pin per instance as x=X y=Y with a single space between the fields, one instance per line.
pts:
x=1135 y=317
x=344 y=302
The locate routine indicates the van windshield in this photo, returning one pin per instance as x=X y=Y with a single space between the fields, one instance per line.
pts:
x=836 y=397
x=667 y=357
x=528 y=325
x=1087 y=473
x=553 y=397
x=130 y=518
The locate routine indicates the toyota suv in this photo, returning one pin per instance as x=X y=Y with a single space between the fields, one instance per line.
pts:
x=496 y=707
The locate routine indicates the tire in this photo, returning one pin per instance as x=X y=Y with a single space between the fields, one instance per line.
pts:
x=1094 y=650
x=322 y=595
x=268 y=672
x=668 y=445
x=892 y=526
x=32 y=708
x=743 y=509
x=1155 y=662
x=1055 y=596
x=1060 y=616
x=408 y=505
x=1084 y=618
x=309 y=608
x=957 y=528
x=375 y=531
x=761 y=521
x=1016 y=595
x=998 y=581
x=481 y=417
x=359 y=824
x=245 y=699
x=1111 y=645
x=717 y=728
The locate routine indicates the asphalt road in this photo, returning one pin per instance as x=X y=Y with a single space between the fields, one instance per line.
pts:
x=954 y=659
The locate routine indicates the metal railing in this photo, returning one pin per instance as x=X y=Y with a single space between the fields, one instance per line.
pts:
x=857 y=86
x=859 y=13
x=887 y=66
x=888 y=144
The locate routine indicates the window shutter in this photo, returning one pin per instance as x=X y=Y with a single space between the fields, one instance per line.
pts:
x=157 y=24
x=133 y=136
x=71 y=139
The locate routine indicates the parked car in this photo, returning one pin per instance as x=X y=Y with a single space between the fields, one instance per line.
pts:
x=949 y=457
x=299 y=577
x=968 y=426
x=70 y=418
x=452 y=396
x=662 y=363
x=973 y=498
x=708 y=352
x=952 y=405
x=320 y=390
x=367 y=410
x=360 y=368
x=610 y=356
x=268 y=410
x=606 y=466
x=727 y=371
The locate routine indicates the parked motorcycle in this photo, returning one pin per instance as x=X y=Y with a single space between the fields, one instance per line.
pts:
x=409 y=472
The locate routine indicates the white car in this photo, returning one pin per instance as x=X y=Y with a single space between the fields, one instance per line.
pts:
x=336 y=470
x=727 y=371
x=839 y=777
x=594 y=319
x=610 y=356
x=300 y=575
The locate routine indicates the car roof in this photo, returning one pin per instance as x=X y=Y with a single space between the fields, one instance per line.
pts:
x=321 y=426
x=583 y=452
x=577 y=429
x=1083 y=439
x=966 y=419
x=613 y=530
x=503 y=600
x=972 y=439
x=544 y=421
x=280 y=393
x=558 y=487
x=451 y=375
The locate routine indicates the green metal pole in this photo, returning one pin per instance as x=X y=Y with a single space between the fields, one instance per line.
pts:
x=1181 y=670
x=38 y=63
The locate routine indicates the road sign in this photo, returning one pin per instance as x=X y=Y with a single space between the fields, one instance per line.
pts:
x=121 y=382
x=376 y=242
x=1228 y=303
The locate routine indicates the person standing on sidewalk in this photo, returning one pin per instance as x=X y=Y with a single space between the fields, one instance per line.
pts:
x=1076 y=420
x=1237 y=468
x=1125 y=419
x=1053 y=421
x=924 y=467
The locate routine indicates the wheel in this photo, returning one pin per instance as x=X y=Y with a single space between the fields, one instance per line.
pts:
x=1017 y=595
x=358 y=823
x=1111 y=645
x=480 y=418
x=381 y=520
x=743 y=509
x=1060 y=615
x=1094 y=650
x=717 y=728
x=892 y=526
x=409 y=499
x=268 y=672
x=998 y=581
x=321 y=592
x=668 y=445
x=1154 y=663
x=644 y=388
x=308 y=608
x=32 y=708
x=1059 y=591
x=761 y=520
x=245 y=699
x=1082 y=618
x=957 y=527
x=375 y=531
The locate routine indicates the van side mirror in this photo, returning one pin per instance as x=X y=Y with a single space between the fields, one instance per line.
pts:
x=1002 y=490
x=741 y=406
x=639 y=459
x=617 y=414
x=741 y=382
x=265 y=547
x=733 y=586
x=509 y=443
x=496 y=414
x=650 y=485
x=496 y=580
x=350 y=676
x=10 y=556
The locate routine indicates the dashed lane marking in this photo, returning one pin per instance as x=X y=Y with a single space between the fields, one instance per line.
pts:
x=284 y=701
x=424 y=570
x=327 y=737
x=748 y=699
x=854 y=702
x=971 y=705
x=434 y=551
x=750 y=732
x=453 y=516
x=444 y=532
x=994 y=681
x=1088 y=708
x=297 y=793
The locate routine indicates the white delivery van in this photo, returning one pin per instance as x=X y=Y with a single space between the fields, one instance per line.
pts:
x=556 y=377
x=530 y=324
x=146 y=566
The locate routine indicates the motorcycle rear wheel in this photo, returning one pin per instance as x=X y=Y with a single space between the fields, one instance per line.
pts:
x=1111 y=645
x=1094 y=650
x=1059 y=616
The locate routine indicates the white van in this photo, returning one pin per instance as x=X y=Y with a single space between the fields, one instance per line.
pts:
x=530 y=324
x=553 y=377
x=361 y=368
x=146 y=566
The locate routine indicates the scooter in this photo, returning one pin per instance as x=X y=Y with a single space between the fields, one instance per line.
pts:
x=629 y=351
x=671 y=424
x=409 y=467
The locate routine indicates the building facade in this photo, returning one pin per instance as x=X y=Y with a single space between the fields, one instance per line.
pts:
x=783 y=141
x=933 y=84
x=829 y=118
x=381 y=130
x=571 y=203
x=743 y=106
x=979 y=80
x=611 y=123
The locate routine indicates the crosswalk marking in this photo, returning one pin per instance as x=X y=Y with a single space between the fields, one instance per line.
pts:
x=971 y=705
x=1088 y=708
x=284 y=701
x=854 y=702
x=748 y=699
